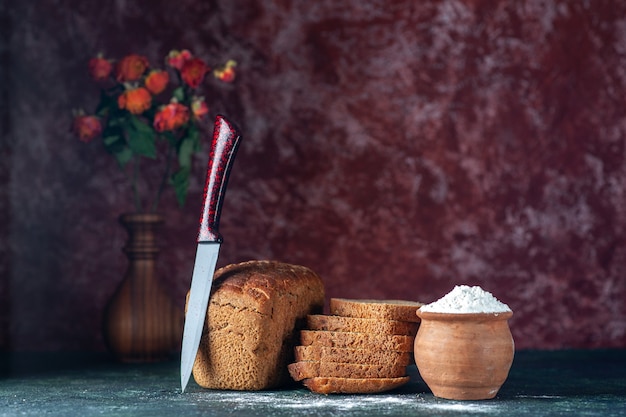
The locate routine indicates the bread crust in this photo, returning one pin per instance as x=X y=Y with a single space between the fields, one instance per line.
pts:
x=314 y=369
x=360 y=325
x=401 y=310
x=346 y=355
x=400 y=343
x=330 y=385
x=255 y=312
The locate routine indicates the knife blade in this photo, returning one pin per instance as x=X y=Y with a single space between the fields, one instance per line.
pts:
x=226 y=138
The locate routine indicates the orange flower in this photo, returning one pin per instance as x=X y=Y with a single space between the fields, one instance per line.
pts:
x=87 y=128
x=131 y=67
x=100 y=68
x=199 y=108
x=193 y=71
x=171 y=117
x=135 y=100
x=176 y=59
x=156 y=81
x=227 y=72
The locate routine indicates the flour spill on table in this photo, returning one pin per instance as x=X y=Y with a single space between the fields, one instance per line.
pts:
x=540 y=396
x=297 y=400
x=468 y=408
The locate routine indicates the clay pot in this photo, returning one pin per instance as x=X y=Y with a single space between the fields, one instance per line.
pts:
x=464 y=356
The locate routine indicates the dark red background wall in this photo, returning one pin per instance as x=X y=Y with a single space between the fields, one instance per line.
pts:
x=397 y=148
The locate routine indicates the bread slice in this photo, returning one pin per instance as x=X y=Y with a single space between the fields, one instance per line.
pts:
x=346 y=355
x=398 y=343
x=255 y=312
x=360 y=325
x=331 y=385
x=314 y=369
x=401 y=310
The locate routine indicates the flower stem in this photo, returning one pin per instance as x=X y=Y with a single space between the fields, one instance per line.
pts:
x=166 y=173
x=134 y=181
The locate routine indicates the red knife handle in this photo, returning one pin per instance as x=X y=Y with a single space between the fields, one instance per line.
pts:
x=226 y=139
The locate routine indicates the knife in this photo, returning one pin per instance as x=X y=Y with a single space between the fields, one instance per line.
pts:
x=226 y=138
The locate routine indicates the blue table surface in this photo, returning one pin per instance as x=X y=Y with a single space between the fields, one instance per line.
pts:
x=541 y=383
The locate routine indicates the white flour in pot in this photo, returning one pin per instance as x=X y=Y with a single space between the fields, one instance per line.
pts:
x=466 y=299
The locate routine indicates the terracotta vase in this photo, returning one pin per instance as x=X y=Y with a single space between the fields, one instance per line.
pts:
x=141 y=323
x=464 y=356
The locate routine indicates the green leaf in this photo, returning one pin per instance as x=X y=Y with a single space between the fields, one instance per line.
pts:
x=116 y=146
x=194 y=135
x=141 y=138
x=140 y=125
x=111 y=140
x=179 y=94
x=102 y=112
x=123 y=156
x=185 y=152
x=116 y=121
x=113 y=143
x=180 y=182
x=141 y=144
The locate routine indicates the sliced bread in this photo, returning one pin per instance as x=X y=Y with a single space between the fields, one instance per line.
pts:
x=362 y=347
x=399 y=343
x=346 y=355
x=401 y=310
x=314 y=369
x=332 y=385
x=360 y=325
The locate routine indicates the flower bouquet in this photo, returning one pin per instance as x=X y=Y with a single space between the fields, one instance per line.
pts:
x=154 y=113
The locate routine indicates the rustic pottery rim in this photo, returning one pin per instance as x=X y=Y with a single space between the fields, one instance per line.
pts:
x=431 y=315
